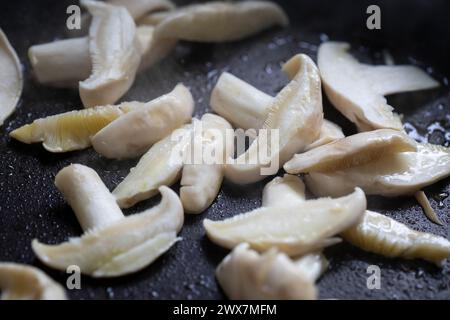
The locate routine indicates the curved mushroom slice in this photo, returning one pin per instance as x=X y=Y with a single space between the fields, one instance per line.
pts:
x=393 y=175
x=245 y=274
x=71 y=130
x=154 y=18
x=283 y=190
x=357 y=90
x=295 y=115
x=295 y=228
x=351 y=151
x=380 y=234
x=329 y=132
x=135 y=132
x=11 y=82
x=422 y=199
x=200 y=182
x=22 y=282
x=220 y=21
x=115 y=54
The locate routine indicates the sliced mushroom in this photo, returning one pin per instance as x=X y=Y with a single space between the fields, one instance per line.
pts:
x=71 y=130
x=135 y=132
x=295 y=114
x=357 y=90
x=139 y=8
x=22 y=282
x=393 y=175
x=422 y=199
x=293 y=228
x=154 y=18
x=115 y=54
x=247 y=275
x=283 y=190
x=11 y=82
x=221 y=21
x=351 y=151
x=112 y=244
x=380 y=234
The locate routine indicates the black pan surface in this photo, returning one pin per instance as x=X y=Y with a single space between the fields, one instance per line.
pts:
x=31 y=207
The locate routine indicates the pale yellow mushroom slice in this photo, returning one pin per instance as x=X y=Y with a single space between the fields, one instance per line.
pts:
x=294 y=229
x=71 y=130
x=422 y=199
x=329 y=132
x=134 y=133
x=357 y=90
x=393 y=175
x=153 y=18
x=11 y=78
x=295 y=115
x=115 y=54
x=23 y=282
x=383 y=235
x=200 y=182
x=283 y=190
x=351 y=151
x=113 y=245
x=245 y=274
x=221 y=21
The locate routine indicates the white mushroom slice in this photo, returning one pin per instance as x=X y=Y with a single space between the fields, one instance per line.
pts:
x=283 y=190
x=112 y=245
x=383 y=235
x=115 y=54
x=393 y=175
x=351 y=151
x=11 y=82
x=200 y=183
x=246 y=275
x=154 y=18
x=135 y=132
x=71 y=130
x=295 y=228
x=220 y=21
x=296 y=115
x=357 y=90
x=422 y=199
x=22 y=282
x=329 y=132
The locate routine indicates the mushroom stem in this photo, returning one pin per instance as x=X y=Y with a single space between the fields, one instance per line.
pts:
x=93 y=204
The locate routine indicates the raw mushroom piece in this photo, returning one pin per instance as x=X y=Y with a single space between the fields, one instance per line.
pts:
x=293 y=228
x=113 y=245
x=283 y=190
x=357 y=90
x=383 y=235
x=134 y=133
x=11 y=81
x=22 y=282
x=220 y=21
x=247 y=108
x=246 y=275
x=295 y=115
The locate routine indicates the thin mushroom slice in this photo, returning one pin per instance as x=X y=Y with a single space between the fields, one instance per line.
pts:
x=221 y=21
x=115 y=54
x=11 y=82
x=295 y=115
x=134 y=133
x=154 y=18
x=351 y=151
x=22 y=282
x=246 y=275
x=393 y=175
x=329 y=132
x=295 y=229
x=357 y=90
x=283 y=190
x=422 y=199
x=383 y=235
x=71 y=130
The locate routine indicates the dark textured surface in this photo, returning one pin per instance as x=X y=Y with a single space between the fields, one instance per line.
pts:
x=31 y=207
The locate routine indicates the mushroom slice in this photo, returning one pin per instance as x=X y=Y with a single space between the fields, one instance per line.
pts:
x=200 y=182
x=357 y=90
x=153 y=19
x=11 y=82
x=295 y=228
x=220 y=21
x=22 y=282
x=283 y=190
x=295 y=115
x=139 y=8
x=71 y=130
x=115 y=54
x=383 y=235
x=393 y=175
x=247 y=107
x=135 y=132
x=351 y=151
x=245 y=274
